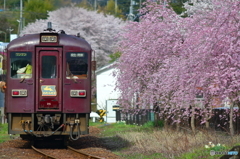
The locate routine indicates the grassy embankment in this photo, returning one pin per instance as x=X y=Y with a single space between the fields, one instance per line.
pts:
x=149 y=142
x=4 y=133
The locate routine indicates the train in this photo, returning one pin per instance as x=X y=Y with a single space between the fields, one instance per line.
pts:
x=3 y=46
x=48 y=85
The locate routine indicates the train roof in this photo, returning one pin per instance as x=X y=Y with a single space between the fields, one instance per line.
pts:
x=32 y=40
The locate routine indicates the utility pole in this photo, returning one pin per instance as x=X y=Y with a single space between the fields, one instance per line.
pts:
x=95 y=5
x=21 y=19
x=131 y=8
x=4 y=5
x=116 y=7
x=164 y=3
x=10 y=30
x=131 y=15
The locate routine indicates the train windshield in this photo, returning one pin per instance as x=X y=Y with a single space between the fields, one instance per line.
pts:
x=77 y=65
x=21 y=64
x=49 y=66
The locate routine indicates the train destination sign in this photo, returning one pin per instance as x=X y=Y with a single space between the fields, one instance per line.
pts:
x=49 y=90
x=20 y=54
x=49 y=38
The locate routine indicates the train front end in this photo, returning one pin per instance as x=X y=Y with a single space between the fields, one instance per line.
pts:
x=48 y=85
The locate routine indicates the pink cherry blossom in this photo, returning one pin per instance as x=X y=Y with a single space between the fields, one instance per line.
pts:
x=166 y=59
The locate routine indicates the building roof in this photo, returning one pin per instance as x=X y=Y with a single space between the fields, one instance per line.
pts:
x=105 y=68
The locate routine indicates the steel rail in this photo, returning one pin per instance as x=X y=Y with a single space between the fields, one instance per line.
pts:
x=86 y=154
x=48 y=156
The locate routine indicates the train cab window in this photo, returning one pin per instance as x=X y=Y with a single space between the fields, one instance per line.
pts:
x=21 y=64
x=76 y=65
x=49 y=66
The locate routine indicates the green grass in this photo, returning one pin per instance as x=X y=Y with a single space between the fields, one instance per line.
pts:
x=199 y=153
x=205 y=153
x=141 y=156
x=95 y=123
x=149 y=142
x=113 y=128
x=122 y=134
x=4 y=133
x=121 y=128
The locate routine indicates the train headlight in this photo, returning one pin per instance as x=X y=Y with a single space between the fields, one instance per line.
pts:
x=19 y=93
x=78 y=93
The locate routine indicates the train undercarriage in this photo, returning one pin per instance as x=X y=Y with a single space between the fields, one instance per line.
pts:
x=37 y=126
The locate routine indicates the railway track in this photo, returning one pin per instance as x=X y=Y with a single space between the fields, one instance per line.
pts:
x=86 y=154
x=83 y=154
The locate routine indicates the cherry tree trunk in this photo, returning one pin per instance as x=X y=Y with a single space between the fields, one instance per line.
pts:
x=193 y=120
x=207 y=124
x=177 y=117
x=208 y=117
x=166 y=122
x=231 y=120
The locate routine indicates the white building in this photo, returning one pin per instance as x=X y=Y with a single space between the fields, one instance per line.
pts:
x=106 y=95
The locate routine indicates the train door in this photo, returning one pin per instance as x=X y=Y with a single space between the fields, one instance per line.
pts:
x=48 y=78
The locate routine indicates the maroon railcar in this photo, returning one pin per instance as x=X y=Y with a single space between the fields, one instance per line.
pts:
x=48 y=85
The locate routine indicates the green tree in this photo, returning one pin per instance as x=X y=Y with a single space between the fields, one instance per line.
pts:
x=114 y=56
x=177 y=6
x=37 y=9
x=3 y=28
x=110 y=8
x=124 y=5
x=32 y=10
x=61 y=3
x=113 y=9
x=11 y=4
x=85 y=4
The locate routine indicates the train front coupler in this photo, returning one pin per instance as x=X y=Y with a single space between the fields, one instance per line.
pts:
x=26 y=125
x=74 y=124
x=48 y=123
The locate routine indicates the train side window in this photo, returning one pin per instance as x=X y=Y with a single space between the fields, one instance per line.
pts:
x=49 y=67
x=76 y=65
x=21 y=64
